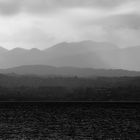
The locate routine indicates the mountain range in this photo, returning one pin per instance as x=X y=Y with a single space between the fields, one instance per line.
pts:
x=84 y=54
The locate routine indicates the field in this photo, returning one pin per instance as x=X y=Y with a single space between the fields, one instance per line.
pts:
x=69 y=121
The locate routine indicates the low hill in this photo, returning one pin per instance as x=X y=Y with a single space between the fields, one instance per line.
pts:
x=43 y=70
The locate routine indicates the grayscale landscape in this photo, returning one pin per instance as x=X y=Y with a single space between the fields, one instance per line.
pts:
x=69 y=69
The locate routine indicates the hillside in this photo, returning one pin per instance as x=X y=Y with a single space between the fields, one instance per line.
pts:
x=43 y=70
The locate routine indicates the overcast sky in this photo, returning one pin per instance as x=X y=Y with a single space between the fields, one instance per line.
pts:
x=42 y=23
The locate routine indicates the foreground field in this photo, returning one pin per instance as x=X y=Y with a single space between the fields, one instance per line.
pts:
x=69 y=121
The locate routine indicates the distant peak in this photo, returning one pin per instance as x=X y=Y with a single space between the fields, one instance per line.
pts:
x=19 y=50
x=63 y=43
x=85 y=44
x=34 y=49
x=86 y=41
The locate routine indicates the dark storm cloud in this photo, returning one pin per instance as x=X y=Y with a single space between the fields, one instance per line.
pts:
x=131 y=21
x=115 y=21
x=122 y=21
x=42 y=21
x=10 y=7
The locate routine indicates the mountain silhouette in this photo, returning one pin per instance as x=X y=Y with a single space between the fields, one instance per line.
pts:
x=44 y=70
x=84 y=54
x=3 y=50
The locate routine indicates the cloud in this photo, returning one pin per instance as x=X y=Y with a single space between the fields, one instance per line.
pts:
x=42 y=23
x=122 y=21
x=11 y=7
x=123 y=29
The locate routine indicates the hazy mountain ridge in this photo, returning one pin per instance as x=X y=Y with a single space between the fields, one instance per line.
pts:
x=98 y=55
x=42 y=70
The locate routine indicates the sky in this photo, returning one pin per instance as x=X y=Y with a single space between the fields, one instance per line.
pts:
x=43 y=23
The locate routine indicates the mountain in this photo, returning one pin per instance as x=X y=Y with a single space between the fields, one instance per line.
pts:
x=80 y=54
x=3 y=50
x=84 y=54
x=130 y=58
x=42 y=70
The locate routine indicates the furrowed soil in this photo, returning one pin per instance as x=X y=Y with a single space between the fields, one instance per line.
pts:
x=69 y=121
